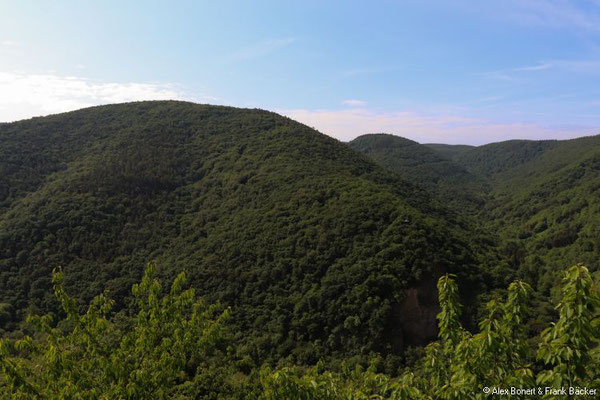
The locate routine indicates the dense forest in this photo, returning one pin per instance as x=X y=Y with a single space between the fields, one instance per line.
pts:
x=537 y=200
x=177 y=346
x=449 y=181
x=313 y=267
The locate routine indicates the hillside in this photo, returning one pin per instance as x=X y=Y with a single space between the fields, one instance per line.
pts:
x=539 y=200
x=545 y=202
x=319 y=251
x=425 y=167
x=497 y=158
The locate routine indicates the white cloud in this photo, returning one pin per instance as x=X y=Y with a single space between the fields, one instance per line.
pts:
x=260 y=49
x=8 y=43
x=348 y=124
x=25 y=95
x=354 y=103
x=539 y=67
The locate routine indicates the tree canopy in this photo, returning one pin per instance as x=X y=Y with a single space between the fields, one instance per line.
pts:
x=175 y=346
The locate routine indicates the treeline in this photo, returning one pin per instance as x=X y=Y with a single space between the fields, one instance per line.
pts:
x=177 y=346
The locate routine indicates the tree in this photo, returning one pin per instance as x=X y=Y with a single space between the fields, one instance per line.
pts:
x=155 y=354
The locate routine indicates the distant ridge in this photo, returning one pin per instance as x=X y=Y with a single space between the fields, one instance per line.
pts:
x=449 y=150
x=426 y=167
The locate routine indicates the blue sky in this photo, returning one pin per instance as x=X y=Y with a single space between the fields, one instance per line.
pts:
x=434 y=71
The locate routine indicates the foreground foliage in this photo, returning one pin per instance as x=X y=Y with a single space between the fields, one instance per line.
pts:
x=169 y=343
x=460 y=365
x=173 y=348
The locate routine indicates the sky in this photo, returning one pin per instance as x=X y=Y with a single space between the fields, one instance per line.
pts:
x=446 y=71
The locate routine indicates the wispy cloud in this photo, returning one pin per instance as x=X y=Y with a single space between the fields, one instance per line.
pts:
x=539 y=67
x=260 y=49
x=481 y=100
x=505 y=75
x=348 y=124
x=585 y=67
x=579 y=66
x=8 y=43
x=556 y=13
x=25 y=95
x=354 y=103
x=349 y=73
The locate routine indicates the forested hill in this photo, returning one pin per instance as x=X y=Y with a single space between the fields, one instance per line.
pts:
x=527 y=161
x=545 y=202
x=313 y=245
x=426 y=167
x=541 y=197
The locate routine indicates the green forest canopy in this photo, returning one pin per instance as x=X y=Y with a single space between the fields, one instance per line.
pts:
x=175 y=347
x=312 y=243
x=319 y=260
x=537 y=201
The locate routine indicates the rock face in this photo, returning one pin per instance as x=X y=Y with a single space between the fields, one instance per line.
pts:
x=417 y=314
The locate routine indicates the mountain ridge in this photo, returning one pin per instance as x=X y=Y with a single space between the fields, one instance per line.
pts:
x=423 y=166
